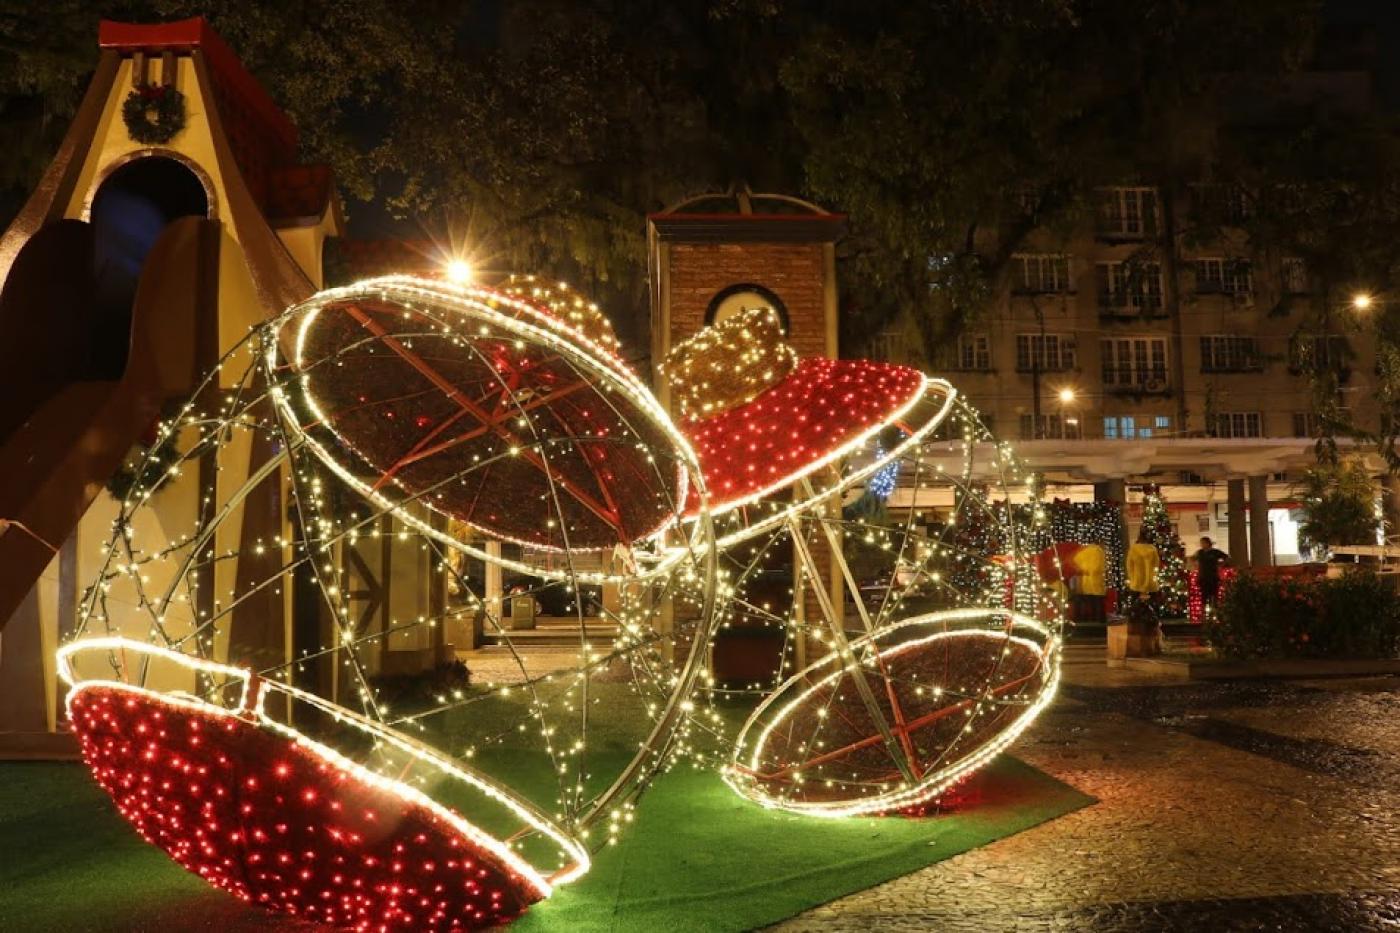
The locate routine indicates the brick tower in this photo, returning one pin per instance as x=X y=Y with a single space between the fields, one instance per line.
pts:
x=716 y=254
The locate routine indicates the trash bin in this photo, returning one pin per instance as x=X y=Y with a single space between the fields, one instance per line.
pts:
x=522 y=612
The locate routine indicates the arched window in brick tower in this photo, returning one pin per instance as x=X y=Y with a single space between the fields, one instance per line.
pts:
x=745 y=296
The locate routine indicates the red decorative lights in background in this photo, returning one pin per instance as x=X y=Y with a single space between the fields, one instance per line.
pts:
x=1195 y=605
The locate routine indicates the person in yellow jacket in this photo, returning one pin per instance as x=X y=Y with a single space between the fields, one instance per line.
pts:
x=1089 y=564
x=1086 y=572
x=1143 y=561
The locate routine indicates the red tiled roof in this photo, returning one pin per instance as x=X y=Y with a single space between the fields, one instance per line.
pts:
x=262 y=137
x=195 y=33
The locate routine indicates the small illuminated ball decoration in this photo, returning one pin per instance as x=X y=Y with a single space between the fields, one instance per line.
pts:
x=452 y=432
x=882 y=484
x=896 y=677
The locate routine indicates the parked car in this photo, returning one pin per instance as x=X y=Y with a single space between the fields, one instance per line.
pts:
x=555 y=597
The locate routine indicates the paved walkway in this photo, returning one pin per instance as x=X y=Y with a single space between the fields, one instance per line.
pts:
x=1246 y=806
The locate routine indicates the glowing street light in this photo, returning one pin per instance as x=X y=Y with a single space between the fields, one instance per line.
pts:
x=459 y=271
x=1066 y=395
x=1362 y=301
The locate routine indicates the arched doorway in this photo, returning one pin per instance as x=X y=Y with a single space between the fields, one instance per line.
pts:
x=129 y=212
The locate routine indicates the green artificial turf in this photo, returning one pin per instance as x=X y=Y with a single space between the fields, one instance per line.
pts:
x=698 y=857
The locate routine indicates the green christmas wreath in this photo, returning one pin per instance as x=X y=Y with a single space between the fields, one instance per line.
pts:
x=154 y=113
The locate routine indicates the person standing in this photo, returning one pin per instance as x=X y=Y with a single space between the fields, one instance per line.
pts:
x=1209 y=560
x=1089 y=564
x=1140 y=606
x=1143 y=563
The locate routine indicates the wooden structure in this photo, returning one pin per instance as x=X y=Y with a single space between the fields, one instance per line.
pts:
x=126 y=275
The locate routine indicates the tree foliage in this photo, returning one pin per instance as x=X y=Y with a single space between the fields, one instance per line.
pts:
x=341 y=70
x=542 y=130
x=1161 y=534
x=1339 y=507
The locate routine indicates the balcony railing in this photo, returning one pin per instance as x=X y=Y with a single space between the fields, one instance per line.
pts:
x=1246 y=365
x=1117 y=382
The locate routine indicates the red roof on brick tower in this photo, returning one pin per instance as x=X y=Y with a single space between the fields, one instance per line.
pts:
x=262 y=136
x=743 y=216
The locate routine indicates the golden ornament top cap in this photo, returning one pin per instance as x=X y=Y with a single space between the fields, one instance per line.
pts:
x=728 y=364
x=567 y=305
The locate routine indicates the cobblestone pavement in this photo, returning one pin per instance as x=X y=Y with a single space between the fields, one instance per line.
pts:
x=1245 y=806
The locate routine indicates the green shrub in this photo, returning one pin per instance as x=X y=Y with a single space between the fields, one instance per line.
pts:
x=1260 y=618
x=1361 y=618
x=414 y=692
x=1354 y=616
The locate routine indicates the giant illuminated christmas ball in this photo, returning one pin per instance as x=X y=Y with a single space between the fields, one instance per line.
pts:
x=876 y=546
x=264 y=676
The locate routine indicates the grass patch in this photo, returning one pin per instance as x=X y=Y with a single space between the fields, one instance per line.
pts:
x=698 y=858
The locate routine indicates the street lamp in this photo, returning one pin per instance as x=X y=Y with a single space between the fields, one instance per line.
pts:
x=458 y=271
x=1067 y=395
x=1362 y=301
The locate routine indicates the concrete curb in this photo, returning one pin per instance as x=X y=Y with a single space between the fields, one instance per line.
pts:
x=1275 y=668
x=38 y=746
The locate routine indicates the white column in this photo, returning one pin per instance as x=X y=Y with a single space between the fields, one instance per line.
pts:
x=494 y=584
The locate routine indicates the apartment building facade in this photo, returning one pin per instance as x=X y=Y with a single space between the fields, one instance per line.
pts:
x=1134 y=349
x=1120 y=332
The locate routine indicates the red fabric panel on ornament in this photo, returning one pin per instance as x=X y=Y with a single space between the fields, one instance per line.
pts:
x=824 y=409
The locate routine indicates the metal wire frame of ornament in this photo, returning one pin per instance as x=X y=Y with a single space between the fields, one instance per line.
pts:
x=548 y=804
x=921 y=632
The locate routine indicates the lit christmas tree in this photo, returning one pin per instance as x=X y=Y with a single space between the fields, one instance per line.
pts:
x=1171 y=574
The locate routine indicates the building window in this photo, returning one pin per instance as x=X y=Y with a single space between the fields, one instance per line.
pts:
x=885 y=346
x=1317 y=354
x=974 y=352
x=1026 y=199
x=1293 y=273
x=1238 y=424
x=969 y=353
x=1228 y=205
x=1229 y=354
x=1132 y=427
x=1053 y=427
x=1130 y=285
x=1044 y=352
x=1309 y=423
x=1306 y=424
x=1127 y=213
x=1039 y=273
x=1135 y=363
x=1224 y=277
